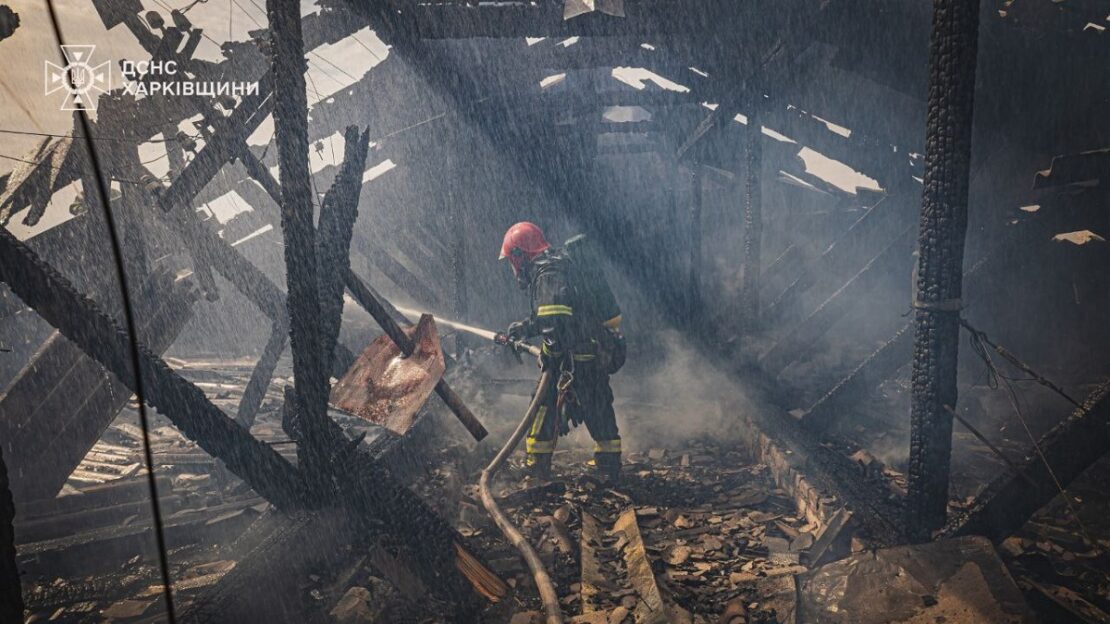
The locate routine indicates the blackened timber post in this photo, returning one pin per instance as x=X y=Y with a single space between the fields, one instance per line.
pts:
x=694 y=293
x=462 y=303
x=674 y=177
x=11 y=596
x=338 y=212
x=262 y=374
x=952 y=54
x=298 y=230
x=753 y=218
x=384 y=313
x=81 y=321
x=378 y=308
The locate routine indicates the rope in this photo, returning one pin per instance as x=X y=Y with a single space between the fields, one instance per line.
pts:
x=132 y=336
x=982 y=345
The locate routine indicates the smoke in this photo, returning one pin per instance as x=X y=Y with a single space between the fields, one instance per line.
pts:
x=670 y=395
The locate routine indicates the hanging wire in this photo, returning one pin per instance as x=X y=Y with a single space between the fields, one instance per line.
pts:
x=132 y=337
x=155 y=159
x=193 y=4
x=312 y=52
x=74 y=136
x=982 y=346
x=41 y=163
x=980 y=342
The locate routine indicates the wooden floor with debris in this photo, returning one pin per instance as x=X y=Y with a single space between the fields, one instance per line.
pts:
x=687 y=531
x=698 y=531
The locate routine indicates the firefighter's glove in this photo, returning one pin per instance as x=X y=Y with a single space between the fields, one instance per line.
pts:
x=518 y=330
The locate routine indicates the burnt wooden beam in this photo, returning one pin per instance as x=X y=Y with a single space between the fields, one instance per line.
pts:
x=876 y=368
x=462 y=20
x=897 y=351
x=693 y=293
x=338 y=212
x=753 y=221
x=1069 y=448
x=364 y=297
x=380 y=503
x=393 y=269
x=262 y=374
x=11 y=588
x=824 y=274
x=310 y=378
x=953 y=48
x=220 y=149
x=767 y=59
x=97 y=334
x=366 y=489
x=397 y=272
x=62 y=401
x=374 y=305
x=400 y=274
x=796 y=344
x=248 y=279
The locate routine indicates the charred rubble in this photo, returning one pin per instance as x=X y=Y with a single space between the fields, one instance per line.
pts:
x=860 y=247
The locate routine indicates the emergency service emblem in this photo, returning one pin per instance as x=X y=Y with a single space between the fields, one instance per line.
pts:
x=81 y=80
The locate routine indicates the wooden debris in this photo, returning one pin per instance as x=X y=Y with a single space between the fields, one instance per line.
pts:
x=650 y=608
x=593 y=581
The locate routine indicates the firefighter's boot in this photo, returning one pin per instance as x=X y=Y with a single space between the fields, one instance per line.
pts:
x=607 y=461
x=539 y=466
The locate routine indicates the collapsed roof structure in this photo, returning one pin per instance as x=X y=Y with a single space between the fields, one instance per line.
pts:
x=755 y=171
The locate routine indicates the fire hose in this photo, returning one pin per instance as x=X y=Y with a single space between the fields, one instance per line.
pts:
x=544 y=584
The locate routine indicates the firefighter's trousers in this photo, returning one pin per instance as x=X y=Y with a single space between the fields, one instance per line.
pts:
x=589 y=401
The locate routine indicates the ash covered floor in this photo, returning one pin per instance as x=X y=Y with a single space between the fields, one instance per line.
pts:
x=698 y=530
x=710 y=523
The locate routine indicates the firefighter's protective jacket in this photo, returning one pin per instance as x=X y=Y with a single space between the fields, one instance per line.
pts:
x=564 y=312
x=574 y=314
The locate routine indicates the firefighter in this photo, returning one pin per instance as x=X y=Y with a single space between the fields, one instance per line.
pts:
x=577 y=317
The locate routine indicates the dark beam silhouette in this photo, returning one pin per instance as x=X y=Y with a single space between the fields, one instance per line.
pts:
x=953 y=47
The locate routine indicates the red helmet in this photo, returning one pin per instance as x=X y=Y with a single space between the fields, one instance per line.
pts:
x=523 y=241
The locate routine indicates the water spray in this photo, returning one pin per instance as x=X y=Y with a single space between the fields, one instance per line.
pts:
x=503 y=339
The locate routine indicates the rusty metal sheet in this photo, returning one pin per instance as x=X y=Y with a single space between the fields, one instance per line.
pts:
x=387 y=388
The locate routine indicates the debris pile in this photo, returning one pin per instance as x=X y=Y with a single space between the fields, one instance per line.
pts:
x=1063 y=562
x=685 y=533
x=77 y=550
